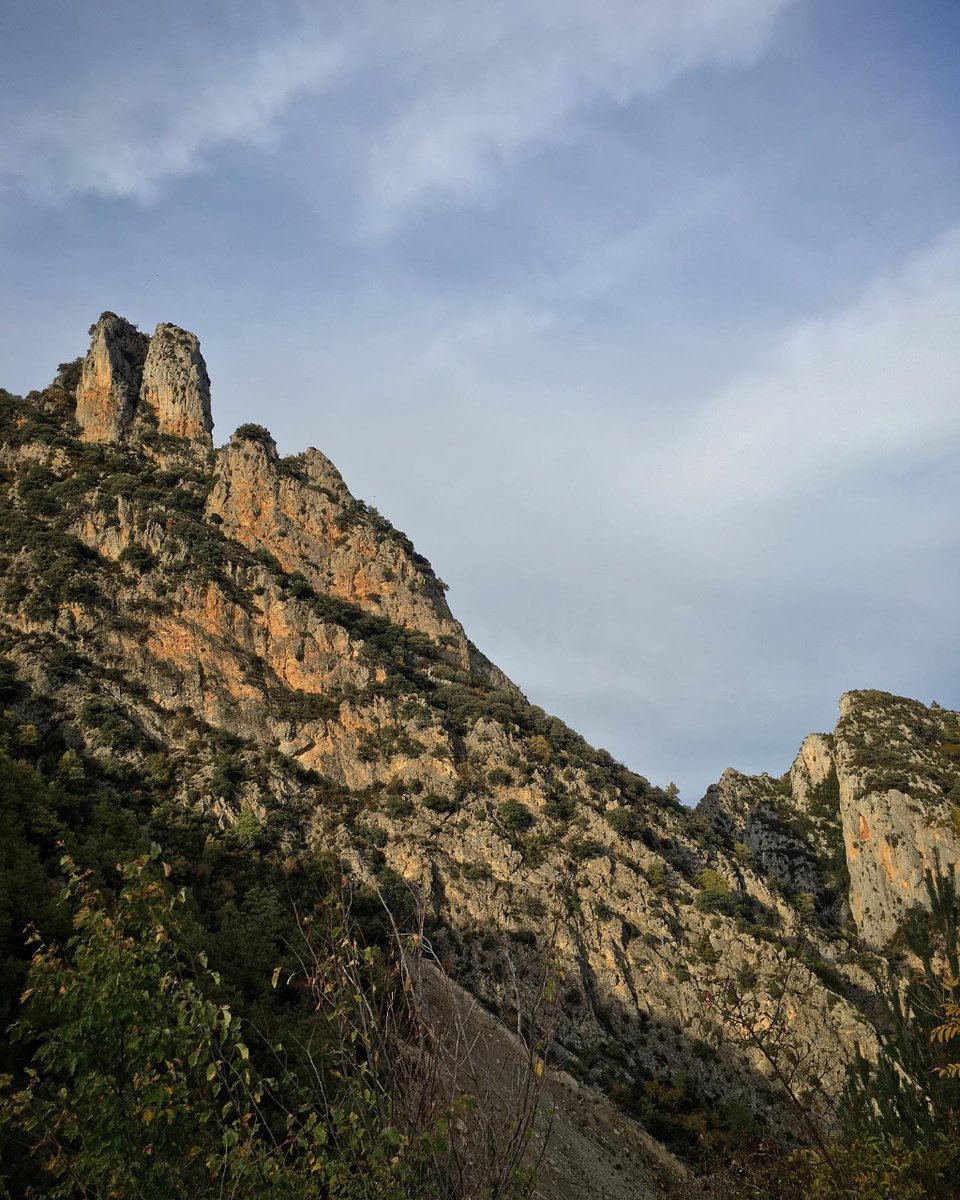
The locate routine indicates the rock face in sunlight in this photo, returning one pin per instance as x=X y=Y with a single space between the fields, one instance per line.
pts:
x=110 y=385
x=863 y=813
x=176 y=387
x=899 y=775
x=132 y=384
x=302 y=512
x=283 y=665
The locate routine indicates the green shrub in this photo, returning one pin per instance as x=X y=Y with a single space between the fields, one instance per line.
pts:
x=143 y=1081
x=516 y=816
x=715 y=894
x=476 y=870
x=439 y=803
x=398 y=807
x=584 y=848
x=138 y=558
x=625 y=821
x=255 y=433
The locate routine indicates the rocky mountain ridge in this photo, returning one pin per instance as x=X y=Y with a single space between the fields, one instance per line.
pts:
x=875 y=805
x=262 y=655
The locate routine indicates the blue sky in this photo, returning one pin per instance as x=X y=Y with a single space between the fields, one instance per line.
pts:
x=641 y=318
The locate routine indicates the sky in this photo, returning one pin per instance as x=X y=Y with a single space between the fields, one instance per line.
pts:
x=640 y=317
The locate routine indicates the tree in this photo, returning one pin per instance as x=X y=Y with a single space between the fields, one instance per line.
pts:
x=902 y=1112
x=145 y=1083
x=142 y=1083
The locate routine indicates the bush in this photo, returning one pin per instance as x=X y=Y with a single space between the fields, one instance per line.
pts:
x=256 y=433
x=625 y=821
x=560 y=808
x=143 y=1081
x=584 y=848
x=516 y=816
x=439 y=803
x=138 y=558
x=715 y=894
x=8 y=679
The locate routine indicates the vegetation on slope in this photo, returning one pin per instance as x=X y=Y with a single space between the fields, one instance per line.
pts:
x=182 y=947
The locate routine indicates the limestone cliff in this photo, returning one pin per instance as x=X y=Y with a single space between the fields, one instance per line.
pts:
x=301 y=512
x=176 y=387
x=896 y=761
x=867 y=809
x=110 y=384
x=132 y=385
x=293 y=662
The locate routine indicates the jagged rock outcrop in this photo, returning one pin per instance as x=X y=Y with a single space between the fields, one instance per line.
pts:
x=754 y=812
x=869 y=809
x=110 y=381
x=811 y=770
x=302 y=513
x=897 y=765
x=176 y=386
x=132 y=385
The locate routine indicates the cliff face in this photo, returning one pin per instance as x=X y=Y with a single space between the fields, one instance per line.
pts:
x=294 y=662
x=110 y=384
x=862 y=814
x=131 y=383
x=896 y=761
x=301 y=512
x=176 y=387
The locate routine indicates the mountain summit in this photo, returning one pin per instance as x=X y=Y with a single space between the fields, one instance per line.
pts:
x=131 y=383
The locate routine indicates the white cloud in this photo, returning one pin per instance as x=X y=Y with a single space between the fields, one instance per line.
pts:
x=693 y=585
x=431 y=98
x=876 y=381
x=130 y=134
x=497 y=79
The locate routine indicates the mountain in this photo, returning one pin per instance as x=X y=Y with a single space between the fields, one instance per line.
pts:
x=223 y=651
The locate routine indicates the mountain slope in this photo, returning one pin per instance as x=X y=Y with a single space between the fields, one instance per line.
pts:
x=257 y=655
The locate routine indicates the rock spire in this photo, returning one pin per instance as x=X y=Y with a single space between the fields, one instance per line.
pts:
x=131 y=381
x=110 y=382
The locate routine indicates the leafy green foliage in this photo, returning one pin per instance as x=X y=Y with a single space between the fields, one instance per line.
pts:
x=437 y=802
x=143 y=1082
x=907 y=1103
x=625 y=821
x=516 y=817
x=715 y=895
x=255 y=433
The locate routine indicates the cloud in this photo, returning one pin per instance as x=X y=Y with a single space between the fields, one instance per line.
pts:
x=498 y=80
x=130 y=134
x=431 y=100
x=691 y=584
x=873 y=383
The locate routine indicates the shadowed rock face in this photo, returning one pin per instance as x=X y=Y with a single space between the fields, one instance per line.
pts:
x=131 y=381
x=176 y=387
x=110 y=383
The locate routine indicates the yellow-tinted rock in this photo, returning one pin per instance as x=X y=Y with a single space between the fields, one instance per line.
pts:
x=176 y=386
x=110 y=382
